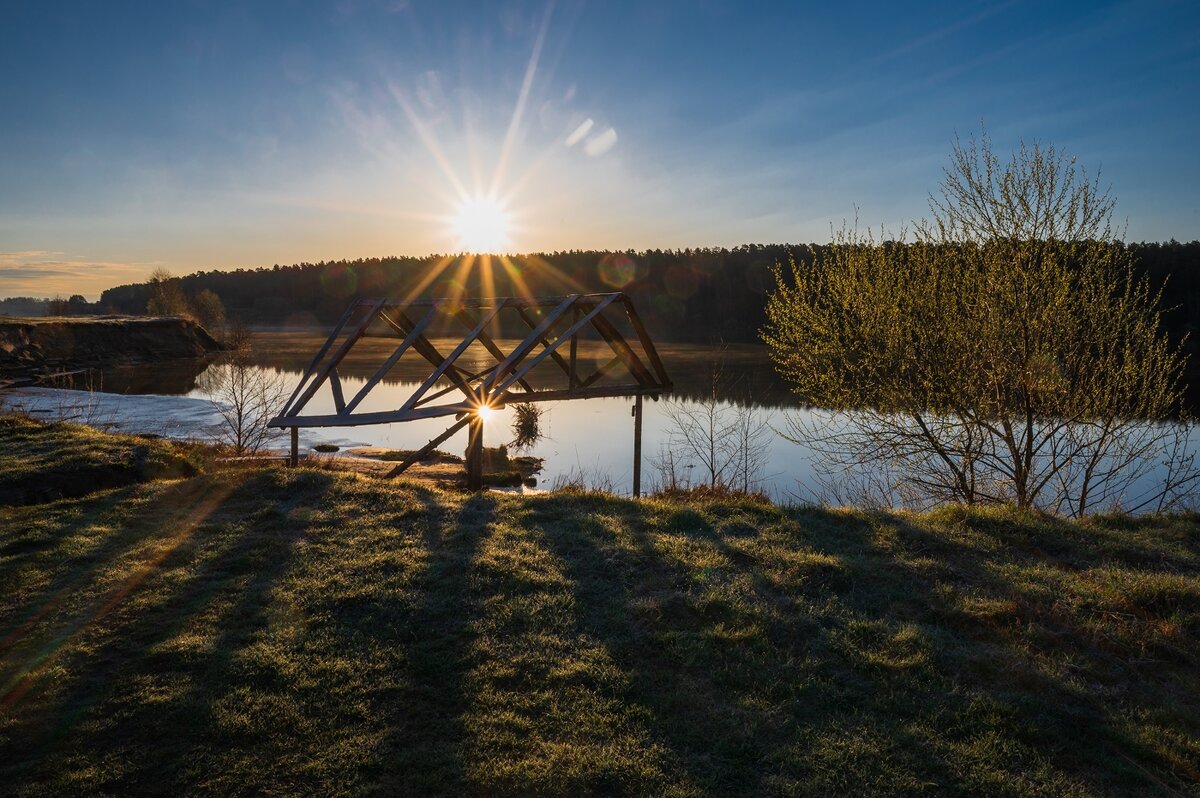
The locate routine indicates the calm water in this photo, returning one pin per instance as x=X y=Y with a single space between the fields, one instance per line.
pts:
x=590 y=439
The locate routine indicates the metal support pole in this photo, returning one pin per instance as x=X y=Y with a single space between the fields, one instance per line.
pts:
x=475 y=454
x=295 y=458
x=637 y=446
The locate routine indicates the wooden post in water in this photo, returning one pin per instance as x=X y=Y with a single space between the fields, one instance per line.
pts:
x=475 y=453
x=637 y=446
x=295 y=458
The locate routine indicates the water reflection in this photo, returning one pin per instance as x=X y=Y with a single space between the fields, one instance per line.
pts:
x=592 y=438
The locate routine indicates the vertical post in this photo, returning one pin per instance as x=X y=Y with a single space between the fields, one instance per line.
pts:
x=295 y=458
x=573 y=379
x=637 y=446
x=475 y=453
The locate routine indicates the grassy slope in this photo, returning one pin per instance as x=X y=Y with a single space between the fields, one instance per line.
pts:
x=40 y=461
x=308 y=632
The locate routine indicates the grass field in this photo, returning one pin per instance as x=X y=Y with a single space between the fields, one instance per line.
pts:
x=302 y=632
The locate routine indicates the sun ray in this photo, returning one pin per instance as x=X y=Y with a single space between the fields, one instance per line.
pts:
x=430 y=142
x=434 y=272
x=514 y=124
x=515 y=277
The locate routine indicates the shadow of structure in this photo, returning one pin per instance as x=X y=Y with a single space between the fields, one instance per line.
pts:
x=303 y=632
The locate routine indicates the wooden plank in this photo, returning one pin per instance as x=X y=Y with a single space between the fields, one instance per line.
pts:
x=591 y=315
x=380 y=417
x=487 y=342
x=337 y=330
x=637 y=446
x=613 y=336
x=510 y=397
x=449 y=361
x=427 y=448
x=523 y=348
x=430 y=352
x=644 y=337
x=474 y=452
x=566 y=367
x=335 y=383
x=450 y=389
x=337 y=358
x=412 y=335
x=572 y=372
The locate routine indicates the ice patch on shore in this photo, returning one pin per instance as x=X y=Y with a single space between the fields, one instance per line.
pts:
x=175 y=417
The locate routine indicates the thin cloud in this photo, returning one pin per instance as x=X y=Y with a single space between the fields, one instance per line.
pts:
x=48 y=273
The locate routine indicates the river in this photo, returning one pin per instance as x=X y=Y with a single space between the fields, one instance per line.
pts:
x=588 y=440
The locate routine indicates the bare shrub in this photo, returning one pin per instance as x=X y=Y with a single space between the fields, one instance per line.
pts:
x=712 y=441
x=246 y=398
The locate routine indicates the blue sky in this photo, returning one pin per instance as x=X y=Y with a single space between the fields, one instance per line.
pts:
x=220 y=135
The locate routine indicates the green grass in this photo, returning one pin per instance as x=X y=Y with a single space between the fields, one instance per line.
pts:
x=301 y=632
x=40 y=461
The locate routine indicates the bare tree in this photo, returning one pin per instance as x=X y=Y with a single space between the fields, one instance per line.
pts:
x=246 y=397
x=725 y=443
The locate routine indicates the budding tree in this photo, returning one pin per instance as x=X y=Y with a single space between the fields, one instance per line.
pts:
x=1006 y=353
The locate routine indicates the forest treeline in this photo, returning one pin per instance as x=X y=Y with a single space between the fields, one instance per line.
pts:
x=691 y=295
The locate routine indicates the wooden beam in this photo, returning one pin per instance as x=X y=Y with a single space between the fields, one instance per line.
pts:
x=427 y=350
x=637 y=446
x=335 y=383
x=486 y=340
x=565 y=393
x=523 y=348
x=449 y=361
x=572 y=372
x=644 y=337
x=614 y=338
x=380 y=417
x=409 y=338
x=426 y=449
x=337 y=330
x=337 y=358
x=556 y=356
x=591 y=315
x=474 y=452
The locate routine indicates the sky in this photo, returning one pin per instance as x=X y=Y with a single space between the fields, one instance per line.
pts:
x=196 y=135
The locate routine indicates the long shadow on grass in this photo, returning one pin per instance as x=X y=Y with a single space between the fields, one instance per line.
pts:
x=668 y=639
x=1029 y=654
x=424 y=750
x=124 y=699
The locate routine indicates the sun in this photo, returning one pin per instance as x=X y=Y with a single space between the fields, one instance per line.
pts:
x=481 y=225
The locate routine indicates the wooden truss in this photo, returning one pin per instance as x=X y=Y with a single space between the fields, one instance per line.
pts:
x=555 y=326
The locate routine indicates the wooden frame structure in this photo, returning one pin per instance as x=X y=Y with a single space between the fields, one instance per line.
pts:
x=554 y=327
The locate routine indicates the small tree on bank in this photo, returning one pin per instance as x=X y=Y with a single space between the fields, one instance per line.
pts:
x=245 y=397
x=166 y=295
x=1006 y=354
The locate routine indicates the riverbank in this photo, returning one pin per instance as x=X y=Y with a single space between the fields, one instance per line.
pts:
x=40 y=348
x=273 y=630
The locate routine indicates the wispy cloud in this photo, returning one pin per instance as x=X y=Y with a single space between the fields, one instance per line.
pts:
x=42 y=273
